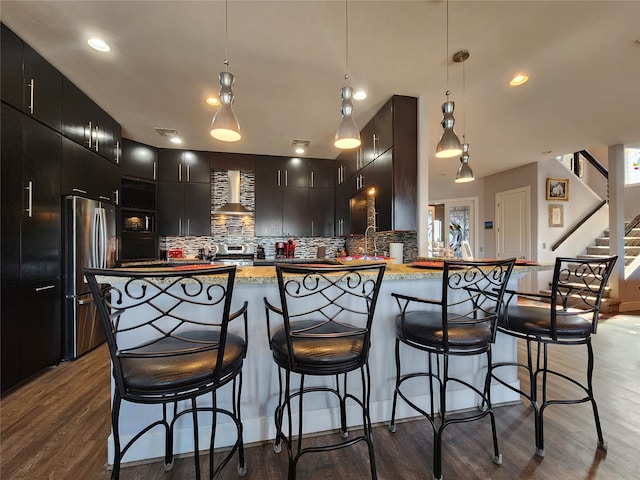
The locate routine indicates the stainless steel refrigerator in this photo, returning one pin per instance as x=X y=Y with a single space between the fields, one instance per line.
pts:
x=90 y=241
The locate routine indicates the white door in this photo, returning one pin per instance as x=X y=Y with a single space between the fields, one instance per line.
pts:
x=513 y=226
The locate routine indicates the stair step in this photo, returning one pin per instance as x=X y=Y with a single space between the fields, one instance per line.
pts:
x=607 y=304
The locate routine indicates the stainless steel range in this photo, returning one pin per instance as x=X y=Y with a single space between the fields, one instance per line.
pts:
x=239 y=259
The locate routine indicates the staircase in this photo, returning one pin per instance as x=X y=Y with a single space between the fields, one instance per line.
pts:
x=631 y=256
x=631 y=246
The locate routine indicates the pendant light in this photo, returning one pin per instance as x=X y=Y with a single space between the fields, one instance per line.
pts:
x=347 y=134
x=465 y=174
x=449 y=144
x=225 y=125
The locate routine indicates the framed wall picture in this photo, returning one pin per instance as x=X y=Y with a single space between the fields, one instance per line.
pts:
x=557 y=189
x=556 y=216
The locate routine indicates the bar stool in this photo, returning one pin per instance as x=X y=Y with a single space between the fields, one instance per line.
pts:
x=568 y=316
x=326 y=315
x=461 y=323
x=169 y=340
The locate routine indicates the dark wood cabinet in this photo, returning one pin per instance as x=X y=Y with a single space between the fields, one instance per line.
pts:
x=184 y=192
x=184 y=209
x=390 y=149
x=284 y=200
x=268 y=212
x=84 y=122
x=31 y=200
x=32 y=84
x=321 y=212
x=138 y=161
x=30 y=329
x=31 y=246
x=184 y=166
x=86 y=174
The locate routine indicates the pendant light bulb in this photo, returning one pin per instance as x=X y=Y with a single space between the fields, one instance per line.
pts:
x=465 y=174
x=225 y=125
x=347 y=134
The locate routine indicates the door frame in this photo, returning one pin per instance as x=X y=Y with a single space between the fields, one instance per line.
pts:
x=474 y=203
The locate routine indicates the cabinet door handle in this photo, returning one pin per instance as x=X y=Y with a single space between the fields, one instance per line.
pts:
x=46 y=287
x=375 y=146
x=278 y=178
x=117 y=196
x=312 y=228
x=179 y=172
x=188 y=226
x=188 y=173
x=118 y=151
x=78 y=190
x=90 y=139
x=32 y=87
x=96 y=129
x=106 y=199
x=154 y=170
x=286 y=178
x=29 y=189
x=312 y=180
x=179 y=226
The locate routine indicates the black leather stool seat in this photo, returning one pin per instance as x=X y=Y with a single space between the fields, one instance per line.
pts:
x=536 y=321
x=425 y=328
x=180 y=371
x=321 y=355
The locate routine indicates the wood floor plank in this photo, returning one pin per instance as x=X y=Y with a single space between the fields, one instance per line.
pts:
x=55 y=427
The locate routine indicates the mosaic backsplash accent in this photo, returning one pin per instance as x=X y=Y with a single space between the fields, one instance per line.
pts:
x=238 y=230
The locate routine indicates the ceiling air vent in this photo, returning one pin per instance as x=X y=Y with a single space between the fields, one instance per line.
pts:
x=168 y=132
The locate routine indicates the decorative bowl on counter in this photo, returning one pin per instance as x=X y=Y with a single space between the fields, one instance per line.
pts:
x=364 y=259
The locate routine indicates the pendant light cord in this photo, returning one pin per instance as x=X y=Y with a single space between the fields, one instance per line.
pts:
x=464 y=104
x=447 y=47
x=226 y=35
x=346 y=28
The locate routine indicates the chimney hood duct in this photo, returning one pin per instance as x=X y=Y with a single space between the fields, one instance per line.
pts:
x=233 y=205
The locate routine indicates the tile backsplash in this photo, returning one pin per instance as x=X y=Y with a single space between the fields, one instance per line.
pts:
x=237 y=230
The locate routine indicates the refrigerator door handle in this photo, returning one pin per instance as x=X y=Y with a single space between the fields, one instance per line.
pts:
x=102 y=237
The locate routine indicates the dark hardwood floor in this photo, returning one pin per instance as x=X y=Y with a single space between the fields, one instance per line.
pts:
x=55 y=427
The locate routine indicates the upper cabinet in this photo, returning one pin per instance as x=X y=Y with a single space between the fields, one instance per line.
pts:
x=387 y=164
x=139 y=161
x=294 y=196
x=184 y=166
x=84 y=122
x=29 y=82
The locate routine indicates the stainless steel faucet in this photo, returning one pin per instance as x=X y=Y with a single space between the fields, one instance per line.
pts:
x=375 y=248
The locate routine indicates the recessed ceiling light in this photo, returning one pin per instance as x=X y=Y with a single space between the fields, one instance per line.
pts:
x=213 y=101
x=98 y=44
x=518 y=79
x=300 y=146
x=359 y=95
x=175 y=140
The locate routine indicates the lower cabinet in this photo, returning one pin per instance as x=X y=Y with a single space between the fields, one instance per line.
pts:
x=184 y=208
x=30 y=329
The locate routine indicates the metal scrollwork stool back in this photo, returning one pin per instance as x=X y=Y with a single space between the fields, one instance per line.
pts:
x=325 y=330
x=567 y=315
x=171 y=342
x=461 y=323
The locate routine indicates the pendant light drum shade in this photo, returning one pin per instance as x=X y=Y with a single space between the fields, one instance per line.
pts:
x=347 y=134
x=225 y=125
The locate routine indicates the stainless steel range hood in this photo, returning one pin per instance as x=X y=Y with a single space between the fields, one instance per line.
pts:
x=233 y=205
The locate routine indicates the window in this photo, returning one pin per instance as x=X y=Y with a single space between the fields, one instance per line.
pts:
x=631 y=168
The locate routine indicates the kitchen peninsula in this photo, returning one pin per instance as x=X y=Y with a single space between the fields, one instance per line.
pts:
x=260 y=381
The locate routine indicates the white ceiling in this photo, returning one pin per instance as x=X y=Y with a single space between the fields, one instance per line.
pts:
x=288 y=57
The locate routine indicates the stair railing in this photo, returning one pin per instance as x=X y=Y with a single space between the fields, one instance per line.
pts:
x=576 y=169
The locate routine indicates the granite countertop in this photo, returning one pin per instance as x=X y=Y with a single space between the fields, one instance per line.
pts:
x=267 y=274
